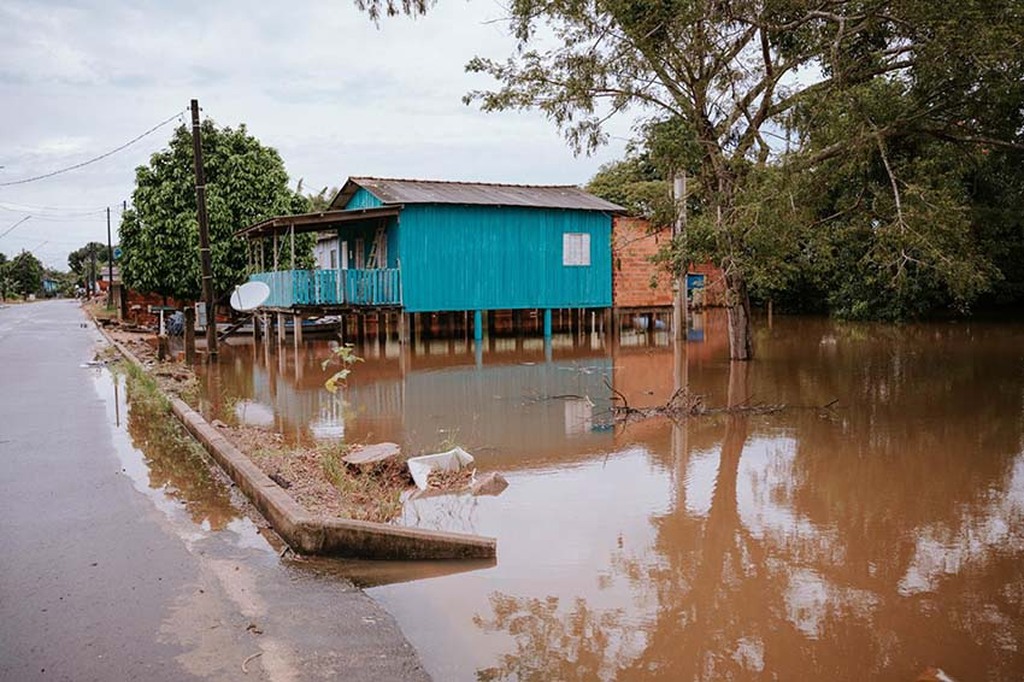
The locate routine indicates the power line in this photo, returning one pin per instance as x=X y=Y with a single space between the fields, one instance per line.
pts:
x=32 y=208
x=94 y=159
x=7 y=231
x=52 y=214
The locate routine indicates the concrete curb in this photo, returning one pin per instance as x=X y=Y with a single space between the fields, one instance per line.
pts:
x=311 y=534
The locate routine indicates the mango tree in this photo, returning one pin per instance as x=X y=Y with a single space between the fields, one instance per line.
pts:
x=245 y=182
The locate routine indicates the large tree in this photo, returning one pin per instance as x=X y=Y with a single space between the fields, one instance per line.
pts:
x=733 y=75
x=26 y=273
x=245 y=182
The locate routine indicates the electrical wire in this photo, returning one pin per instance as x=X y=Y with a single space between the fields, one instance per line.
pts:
x=19 y=207
x=56 y=242
x=8 y=230
x=71 y=215
x=94 y=159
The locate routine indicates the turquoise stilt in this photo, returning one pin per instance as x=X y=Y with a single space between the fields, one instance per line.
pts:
x=547 y=323
x=478 y=325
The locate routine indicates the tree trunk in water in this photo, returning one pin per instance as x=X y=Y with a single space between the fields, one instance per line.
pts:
x=741 y=334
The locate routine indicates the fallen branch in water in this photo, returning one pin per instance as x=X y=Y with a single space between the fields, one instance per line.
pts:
x=686 y=404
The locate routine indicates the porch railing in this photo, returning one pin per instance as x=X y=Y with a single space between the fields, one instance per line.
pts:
x=290 y=288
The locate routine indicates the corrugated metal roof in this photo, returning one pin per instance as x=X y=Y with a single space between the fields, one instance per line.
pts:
x=398 y=191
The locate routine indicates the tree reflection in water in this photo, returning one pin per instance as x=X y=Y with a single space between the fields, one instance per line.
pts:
x=175 y=461
x=824 y=560
x=578 y=644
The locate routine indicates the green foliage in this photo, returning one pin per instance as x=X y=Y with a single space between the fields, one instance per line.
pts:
x=6 y=281
x=345 y=356
x=635 y=184
x=894 y=228
x=321 y=201
x=245 y=183
x=25 y=273
x=80 y=262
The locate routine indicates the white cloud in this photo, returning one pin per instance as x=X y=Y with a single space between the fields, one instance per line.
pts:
x=334 y=94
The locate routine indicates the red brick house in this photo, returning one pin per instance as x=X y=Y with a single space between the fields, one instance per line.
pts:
x=634 y=247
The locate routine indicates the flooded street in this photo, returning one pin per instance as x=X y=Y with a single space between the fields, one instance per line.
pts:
x=871 y=529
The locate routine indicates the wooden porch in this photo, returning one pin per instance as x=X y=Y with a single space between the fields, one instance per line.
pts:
x=291 y=289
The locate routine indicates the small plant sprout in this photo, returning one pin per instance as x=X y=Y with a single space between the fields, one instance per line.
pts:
x=346 y=357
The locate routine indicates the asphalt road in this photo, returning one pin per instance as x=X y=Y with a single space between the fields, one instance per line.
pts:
x=117 y=564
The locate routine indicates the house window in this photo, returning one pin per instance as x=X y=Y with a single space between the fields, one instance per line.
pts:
x=360 y=253
x=575 y=248
x=334 y=259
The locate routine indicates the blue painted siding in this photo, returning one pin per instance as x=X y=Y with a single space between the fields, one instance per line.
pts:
x=363 y=199
x=492 y=257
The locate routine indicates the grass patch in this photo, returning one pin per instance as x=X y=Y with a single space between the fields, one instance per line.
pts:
x=370 y=492
x=144 y=389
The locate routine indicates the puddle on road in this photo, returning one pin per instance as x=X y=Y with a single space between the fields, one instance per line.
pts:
x=873 y=539
x=165 y=464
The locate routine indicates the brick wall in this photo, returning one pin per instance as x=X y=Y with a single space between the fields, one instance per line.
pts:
x=632 y=270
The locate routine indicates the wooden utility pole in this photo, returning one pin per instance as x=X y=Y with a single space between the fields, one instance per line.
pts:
x=92 y=269
x=110 y=265
x=204 y=235
x=679 y=302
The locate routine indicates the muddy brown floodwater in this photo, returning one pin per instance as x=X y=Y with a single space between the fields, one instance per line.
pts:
x=875 y=538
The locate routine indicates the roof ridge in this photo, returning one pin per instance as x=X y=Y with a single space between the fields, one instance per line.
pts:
x=356 y=178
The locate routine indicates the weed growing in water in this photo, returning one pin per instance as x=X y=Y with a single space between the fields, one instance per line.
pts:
x=346 y=356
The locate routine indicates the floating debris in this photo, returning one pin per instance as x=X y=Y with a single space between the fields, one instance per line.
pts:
x=491 y=483
x=372 y=454
x=451 y=461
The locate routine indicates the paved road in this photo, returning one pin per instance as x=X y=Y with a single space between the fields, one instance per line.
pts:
x=118 y=563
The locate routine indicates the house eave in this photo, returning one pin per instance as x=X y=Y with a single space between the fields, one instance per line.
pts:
x=313 y=222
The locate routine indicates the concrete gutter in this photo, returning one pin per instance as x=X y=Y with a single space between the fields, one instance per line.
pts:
x=311 y=534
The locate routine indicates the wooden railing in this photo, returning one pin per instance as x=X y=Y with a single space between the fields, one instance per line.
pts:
x=289 y=288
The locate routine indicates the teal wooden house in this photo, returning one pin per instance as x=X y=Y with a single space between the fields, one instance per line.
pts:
x=417 y=246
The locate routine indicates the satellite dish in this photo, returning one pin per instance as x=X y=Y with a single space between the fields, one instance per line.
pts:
x=249 y=296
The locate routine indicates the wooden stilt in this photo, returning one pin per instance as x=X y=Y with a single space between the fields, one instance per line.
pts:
x=404 y=326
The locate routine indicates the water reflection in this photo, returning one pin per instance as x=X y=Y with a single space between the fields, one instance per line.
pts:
x=161 y=456
x=518 y=402
x=873 y=539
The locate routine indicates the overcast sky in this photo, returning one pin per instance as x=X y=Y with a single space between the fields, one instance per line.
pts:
x=335 y=95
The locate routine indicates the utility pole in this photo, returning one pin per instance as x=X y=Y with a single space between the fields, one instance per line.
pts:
x=204 y=235
x=92 y=269
x=110 y=265
x=679 y=302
